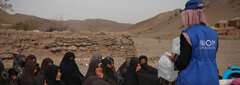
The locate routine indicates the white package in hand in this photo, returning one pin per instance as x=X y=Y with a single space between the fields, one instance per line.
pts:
x=176 y=45
x=166 y=68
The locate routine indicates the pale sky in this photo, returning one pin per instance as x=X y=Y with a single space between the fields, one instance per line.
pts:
x=123 y=11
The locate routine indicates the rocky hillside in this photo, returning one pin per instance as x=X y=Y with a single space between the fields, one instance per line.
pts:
x=169 y=24
x=84 y=44
x=36 y=23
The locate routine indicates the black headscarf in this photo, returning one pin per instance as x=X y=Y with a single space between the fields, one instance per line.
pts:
x=12 y=72
x=130 y=77
x=31 y=57
x=91 y=72
x=1 y=67
x=143 y=57
x=17 y=62
x=109 y=71
x=45 y=64
x=109 y=58
x=147 y=68
x=92 y=67
x=123 y=68
x=51 y=74
x=26 y=77
x=69 y=69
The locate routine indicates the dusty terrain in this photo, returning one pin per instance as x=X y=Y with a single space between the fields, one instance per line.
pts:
x=227 y=55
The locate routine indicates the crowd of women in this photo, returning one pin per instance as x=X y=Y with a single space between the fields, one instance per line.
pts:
x=101 y=71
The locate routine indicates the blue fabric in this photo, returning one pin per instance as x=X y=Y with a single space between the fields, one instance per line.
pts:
x=202 y=69
x=192 y=4
x=230 y=71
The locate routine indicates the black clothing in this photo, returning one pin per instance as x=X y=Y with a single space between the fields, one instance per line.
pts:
x=130 y=77
x=95 y=80
x=91 y=72
x=147 y=68
x=38 y=80
x=109 y=71
x=1 y=67
x=123 y=68
x=44 y=65
x=69 y=70
x=182 y=60
x=26 y=77
x=51 y=74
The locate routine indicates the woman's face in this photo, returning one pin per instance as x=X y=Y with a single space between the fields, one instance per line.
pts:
x=58 y=77
x=35 y=70
x=71 y=58
x=138 y=67
x=14 y=77
x=50 y=63
x=112 y=64
x=99 y=69
x=34 y=60
x=100 y=58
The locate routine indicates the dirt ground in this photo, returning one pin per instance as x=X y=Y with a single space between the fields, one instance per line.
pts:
x=227 y=55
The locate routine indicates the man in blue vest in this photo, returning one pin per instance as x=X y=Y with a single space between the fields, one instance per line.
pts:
x=198 y=46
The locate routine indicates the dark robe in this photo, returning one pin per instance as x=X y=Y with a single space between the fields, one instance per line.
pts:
x=147 y=68
x=40 y=78
x=17 y=63
x=51 y=74
x=109 y=71
x=1 y=67
x=69 y=70
x=45 y=64
x=26 y=77
x=131 y=77
x=95 y=80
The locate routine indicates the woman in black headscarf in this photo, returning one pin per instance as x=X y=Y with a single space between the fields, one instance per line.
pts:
x=95 y=70
x=28 y=72
x=39 y=79
x=106 y=64
x=33 y=58
x=69 y=69
x=130 y=77
x=53 y=75
x=17 y=62
x=46 y=62
x=1 y=67
x=123 y=68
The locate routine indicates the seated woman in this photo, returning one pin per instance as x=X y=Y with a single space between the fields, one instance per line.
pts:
x=69 y=69
x=53 y=75
x=95 y=72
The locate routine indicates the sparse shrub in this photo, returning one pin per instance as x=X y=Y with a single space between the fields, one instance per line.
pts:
x=20 y=26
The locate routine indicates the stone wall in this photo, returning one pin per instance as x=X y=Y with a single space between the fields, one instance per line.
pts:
x=54 y=44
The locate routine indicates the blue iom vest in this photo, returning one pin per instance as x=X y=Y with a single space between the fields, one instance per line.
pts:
x=202 y=69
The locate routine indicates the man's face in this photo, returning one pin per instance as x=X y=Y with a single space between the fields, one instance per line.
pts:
x=143 y=61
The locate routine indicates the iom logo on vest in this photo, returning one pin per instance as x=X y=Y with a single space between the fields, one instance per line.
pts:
x=207 y=44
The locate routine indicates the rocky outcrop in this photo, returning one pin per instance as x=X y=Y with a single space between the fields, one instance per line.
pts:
x=83 y=44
